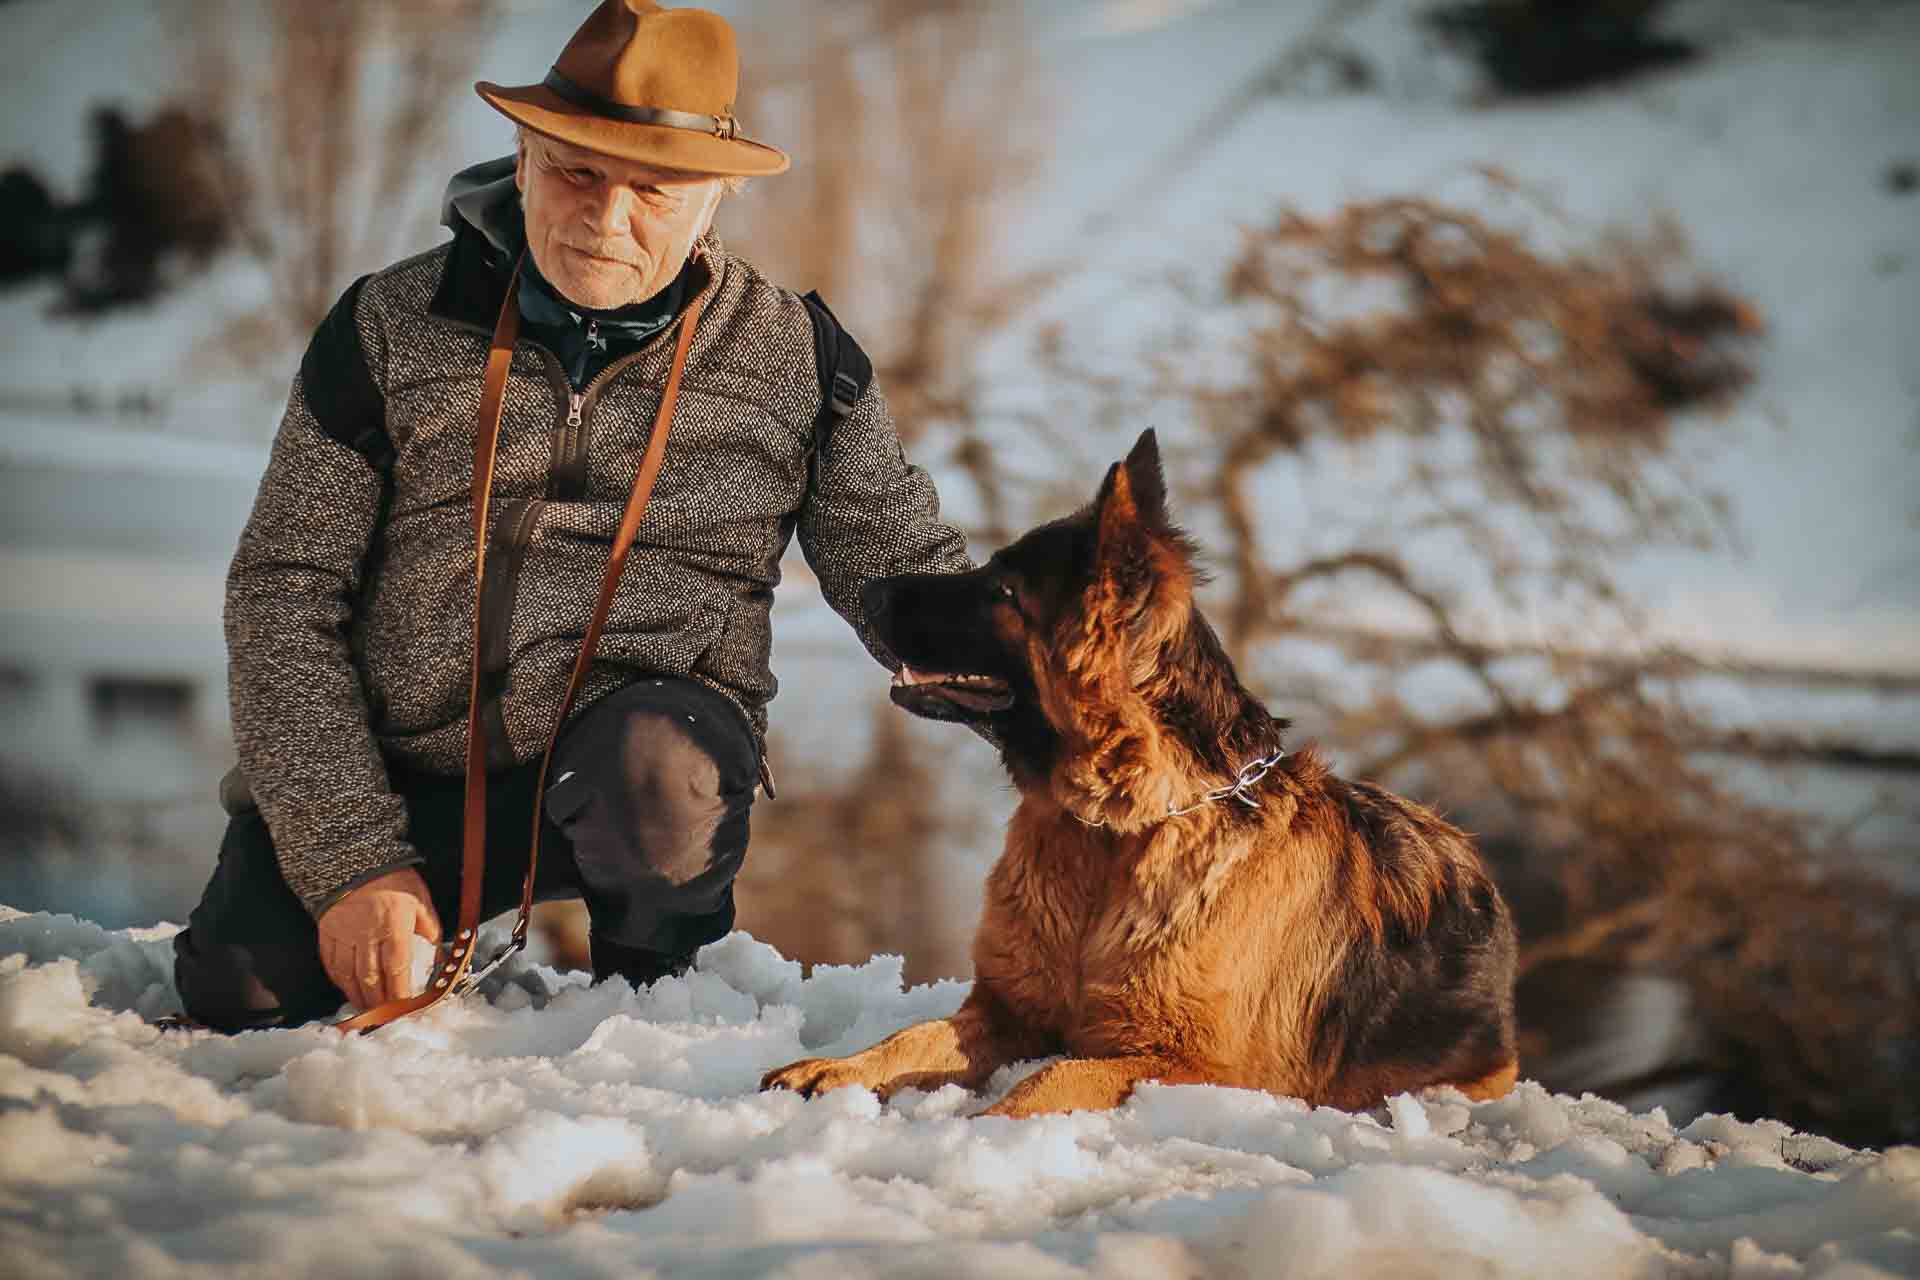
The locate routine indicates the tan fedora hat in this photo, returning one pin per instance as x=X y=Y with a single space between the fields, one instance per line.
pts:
x=647 y=84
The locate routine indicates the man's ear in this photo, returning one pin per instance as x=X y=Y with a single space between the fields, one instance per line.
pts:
x=520 y=161
x=715 y=196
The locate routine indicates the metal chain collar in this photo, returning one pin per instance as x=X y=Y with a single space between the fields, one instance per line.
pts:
x=1241 y=788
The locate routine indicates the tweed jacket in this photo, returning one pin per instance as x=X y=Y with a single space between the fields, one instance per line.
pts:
x=350 y=601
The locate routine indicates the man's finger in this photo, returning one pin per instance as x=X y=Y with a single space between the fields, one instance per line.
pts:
x=396 y=964
x=426 y=922
x=340 y=966
x=366 y=975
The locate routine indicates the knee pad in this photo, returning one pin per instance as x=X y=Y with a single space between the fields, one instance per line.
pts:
x=671 y=793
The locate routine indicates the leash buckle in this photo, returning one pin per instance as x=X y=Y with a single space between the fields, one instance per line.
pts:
x=478 y=974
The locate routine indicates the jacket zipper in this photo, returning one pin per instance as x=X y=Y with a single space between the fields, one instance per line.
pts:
x=567 y=475
x=566 y=480
x=580 y=403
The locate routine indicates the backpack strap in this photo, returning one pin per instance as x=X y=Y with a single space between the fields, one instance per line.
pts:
x=844 y=369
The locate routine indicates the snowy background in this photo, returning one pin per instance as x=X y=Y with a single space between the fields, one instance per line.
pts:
x=558 y=1129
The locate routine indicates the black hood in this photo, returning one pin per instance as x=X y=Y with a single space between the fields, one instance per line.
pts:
x=483 y=198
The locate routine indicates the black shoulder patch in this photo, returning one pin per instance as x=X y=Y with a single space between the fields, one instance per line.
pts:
x=340 y=389
x=844 y=369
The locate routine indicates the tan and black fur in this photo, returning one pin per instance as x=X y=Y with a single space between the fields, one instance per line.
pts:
x=1336 y=943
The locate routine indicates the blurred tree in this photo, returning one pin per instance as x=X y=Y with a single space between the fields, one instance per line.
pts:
x=897 y=114
x=340 y=116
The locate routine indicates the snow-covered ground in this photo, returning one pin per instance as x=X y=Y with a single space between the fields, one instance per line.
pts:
x=558 y=1129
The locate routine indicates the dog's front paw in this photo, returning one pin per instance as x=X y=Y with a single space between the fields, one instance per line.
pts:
x=811 y=1076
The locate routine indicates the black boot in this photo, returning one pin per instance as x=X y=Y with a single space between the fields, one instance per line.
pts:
x=636 y=964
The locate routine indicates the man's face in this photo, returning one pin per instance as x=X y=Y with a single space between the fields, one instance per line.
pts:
x=608 y=232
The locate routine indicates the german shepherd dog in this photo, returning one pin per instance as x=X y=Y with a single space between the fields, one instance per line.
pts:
x=1177 y=900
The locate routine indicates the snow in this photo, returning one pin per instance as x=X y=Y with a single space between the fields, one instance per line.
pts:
x=555 y=1128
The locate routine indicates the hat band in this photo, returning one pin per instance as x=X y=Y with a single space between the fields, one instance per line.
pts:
x=720 y=126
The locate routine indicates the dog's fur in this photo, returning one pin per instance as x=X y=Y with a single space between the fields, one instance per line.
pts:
x=1335 y=943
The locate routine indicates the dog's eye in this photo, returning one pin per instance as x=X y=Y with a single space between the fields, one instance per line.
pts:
x=1003 y=591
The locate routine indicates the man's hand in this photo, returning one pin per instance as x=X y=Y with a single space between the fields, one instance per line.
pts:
x=366 y=938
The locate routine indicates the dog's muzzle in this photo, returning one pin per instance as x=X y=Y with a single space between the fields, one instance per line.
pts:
x=949 y=696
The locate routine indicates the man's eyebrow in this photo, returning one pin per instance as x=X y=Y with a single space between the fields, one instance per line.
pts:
x=656 y=181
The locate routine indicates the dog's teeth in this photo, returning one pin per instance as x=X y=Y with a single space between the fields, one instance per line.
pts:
x=908 y=677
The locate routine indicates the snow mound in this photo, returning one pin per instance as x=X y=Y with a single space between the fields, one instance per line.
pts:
x=562 y=1129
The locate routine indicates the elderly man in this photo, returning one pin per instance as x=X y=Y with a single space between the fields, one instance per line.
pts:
x=356 y=641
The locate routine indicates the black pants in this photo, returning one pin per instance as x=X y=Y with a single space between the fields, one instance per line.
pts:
x=646 y=818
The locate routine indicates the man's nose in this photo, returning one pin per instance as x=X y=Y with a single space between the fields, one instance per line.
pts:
x=611 y=211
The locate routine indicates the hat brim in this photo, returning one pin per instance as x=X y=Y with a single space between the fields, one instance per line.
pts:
x=544 y=111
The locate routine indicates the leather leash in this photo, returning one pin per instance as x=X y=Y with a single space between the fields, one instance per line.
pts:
x=456 y=953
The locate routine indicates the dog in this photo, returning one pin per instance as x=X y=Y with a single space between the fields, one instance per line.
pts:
x=1177 y=900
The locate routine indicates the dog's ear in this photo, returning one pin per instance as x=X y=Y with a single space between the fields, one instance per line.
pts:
x=1144 y=561
x=1133 y=497
x=1148 y=480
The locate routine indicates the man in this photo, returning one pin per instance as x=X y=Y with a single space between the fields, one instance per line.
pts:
x=350 y=609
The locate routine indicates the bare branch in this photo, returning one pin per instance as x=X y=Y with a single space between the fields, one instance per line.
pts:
x=1595 y=934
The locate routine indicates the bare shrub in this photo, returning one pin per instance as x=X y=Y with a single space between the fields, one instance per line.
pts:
x=1555 y=377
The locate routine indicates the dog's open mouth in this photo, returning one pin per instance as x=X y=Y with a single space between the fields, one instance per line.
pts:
x=939 y=696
